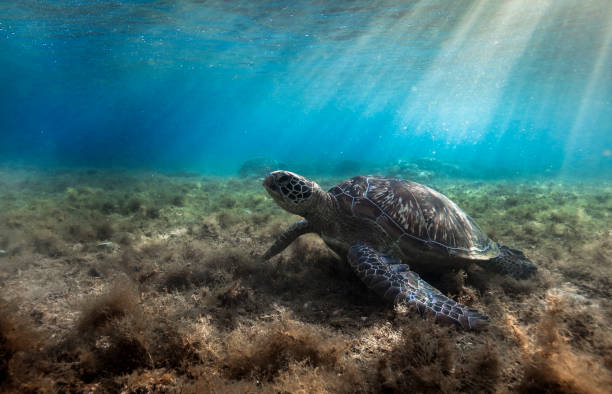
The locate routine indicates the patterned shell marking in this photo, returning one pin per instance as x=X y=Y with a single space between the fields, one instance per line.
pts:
x=408 y=209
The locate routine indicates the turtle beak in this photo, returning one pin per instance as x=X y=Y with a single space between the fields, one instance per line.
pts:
x=268 y=180
x=270 y=183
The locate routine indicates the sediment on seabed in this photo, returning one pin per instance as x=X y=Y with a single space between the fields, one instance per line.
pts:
x=134 y=281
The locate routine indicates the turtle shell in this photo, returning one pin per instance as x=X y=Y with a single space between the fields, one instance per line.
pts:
x=409 y=211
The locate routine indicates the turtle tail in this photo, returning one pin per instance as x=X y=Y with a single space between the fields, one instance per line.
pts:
x=513 y=262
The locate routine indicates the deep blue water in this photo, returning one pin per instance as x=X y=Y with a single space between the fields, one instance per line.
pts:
x=521 y=86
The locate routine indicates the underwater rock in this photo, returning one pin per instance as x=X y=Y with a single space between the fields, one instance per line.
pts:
x=347 y=167
x=424 y=169
x=409 y=171
x=259 y=167
x=438 y=167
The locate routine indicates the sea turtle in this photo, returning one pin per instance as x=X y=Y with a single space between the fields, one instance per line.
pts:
x=381 y=224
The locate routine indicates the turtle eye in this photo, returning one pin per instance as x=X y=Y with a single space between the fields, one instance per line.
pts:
x=283 y=179
x=273 y=187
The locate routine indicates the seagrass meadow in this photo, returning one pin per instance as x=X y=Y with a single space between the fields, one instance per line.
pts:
x=138 y=281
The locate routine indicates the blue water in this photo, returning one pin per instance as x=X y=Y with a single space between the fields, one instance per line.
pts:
x=522 y=86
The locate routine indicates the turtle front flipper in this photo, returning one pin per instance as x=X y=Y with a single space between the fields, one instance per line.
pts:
x=298 y=228
x=396 y=283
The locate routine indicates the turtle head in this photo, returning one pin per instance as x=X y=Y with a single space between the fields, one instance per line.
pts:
x=292 y=192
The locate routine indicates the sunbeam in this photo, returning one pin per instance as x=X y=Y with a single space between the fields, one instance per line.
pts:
x=471 y=72
x=583 y=127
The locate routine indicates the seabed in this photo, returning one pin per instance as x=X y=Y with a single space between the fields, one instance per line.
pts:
x=127 y=281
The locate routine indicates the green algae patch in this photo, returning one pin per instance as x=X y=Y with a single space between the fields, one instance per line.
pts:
x=140 y=281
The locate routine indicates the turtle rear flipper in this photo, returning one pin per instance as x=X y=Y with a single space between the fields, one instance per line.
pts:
x=396 y=283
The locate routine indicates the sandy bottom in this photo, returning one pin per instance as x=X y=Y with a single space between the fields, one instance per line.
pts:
x=140 y=282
